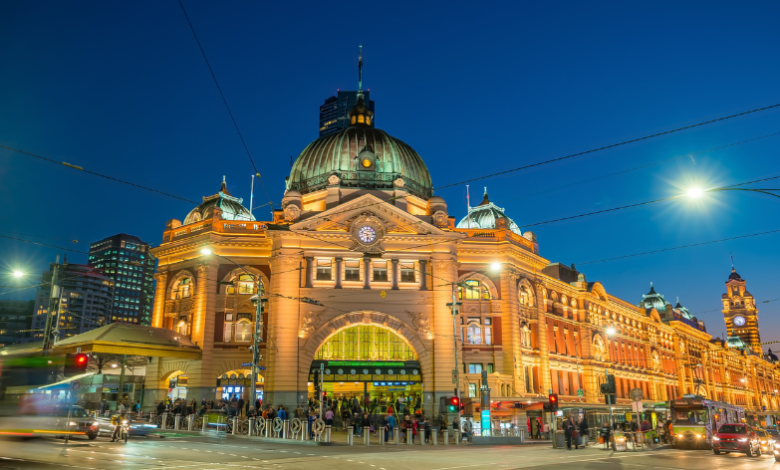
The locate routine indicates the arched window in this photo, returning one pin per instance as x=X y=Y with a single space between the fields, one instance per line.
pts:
x=473 y=290
x=525 y=297
x=473 y=332
x=182 y=289
x=183 y=328
x=353 y=120
x=245 y=285
x=368 y=120
x=243 y=331
x=361 y=119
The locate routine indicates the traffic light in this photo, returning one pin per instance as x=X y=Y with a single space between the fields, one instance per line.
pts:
x=611 y=384
x=454 y=405
x=317 y=390
x=553 y=399
x=75 y=364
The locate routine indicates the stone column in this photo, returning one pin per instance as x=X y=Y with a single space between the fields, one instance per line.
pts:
x=160 y=288
x=541 y=337
x=309 y=271
x=366 y=273
x=339 y=262
x=679 y=366
x=446 y=272
x=394 y=273
x=589 y=380
x=423 y=275
x=510 y=326
x=203 y=379
x=284 y=381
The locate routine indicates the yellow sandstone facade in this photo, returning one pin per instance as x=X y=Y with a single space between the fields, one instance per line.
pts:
x=359 y=267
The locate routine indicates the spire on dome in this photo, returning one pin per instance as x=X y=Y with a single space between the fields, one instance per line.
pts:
x=360 y=114
x=485 y=199
x=223 y=188
x=360 y=71
x=652 y=289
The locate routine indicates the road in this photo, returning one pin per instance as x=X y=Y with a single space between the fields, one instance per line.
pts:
x=209 y=453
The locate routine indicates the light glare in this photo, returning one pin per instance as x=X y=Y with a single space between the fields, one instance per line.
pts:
x=205 y=251
x=18 y=274
x=495 y=266
x=695 y=192
x=610 y=331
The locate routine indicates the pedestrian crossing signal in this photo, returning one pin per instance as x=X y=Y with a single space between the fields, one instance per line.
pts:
x=454 y=405
x=553 y=400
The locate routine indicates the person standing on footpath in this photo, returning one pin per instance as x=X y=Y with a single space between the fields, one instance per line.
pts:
x=568 y=431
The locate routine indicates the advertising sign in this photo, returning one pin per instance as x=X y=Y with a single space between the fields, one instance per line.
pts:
x=484 y=416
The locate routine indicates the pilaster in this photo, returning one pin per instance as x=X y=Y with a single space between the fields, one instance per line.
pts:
x=541 y=337
x=444 y=345
x=510 y=326
x=160 y=288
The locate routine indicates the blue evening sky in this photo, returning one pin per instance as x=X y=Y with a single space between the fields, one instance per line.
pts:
x=121 y=88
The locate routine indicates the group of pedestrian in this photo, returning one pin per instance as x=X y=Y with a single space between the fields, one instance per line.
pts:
x=575 y=432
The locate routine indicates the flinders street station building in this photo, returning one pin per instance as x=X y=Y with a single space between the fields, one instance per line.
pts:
x=361 y=267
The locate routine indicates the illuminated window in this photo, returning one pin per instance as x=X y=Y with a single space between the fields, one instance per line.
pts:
x=366 y=162
x=243 y=331
x=361 y=119
x=472 y=390
x=323 y=269
x=353 y=119
x=245 y=284
x=182 y=328
x=368 y=120
x=473 y=331
x=182 y=288
x=475 y=368
x=474 y=290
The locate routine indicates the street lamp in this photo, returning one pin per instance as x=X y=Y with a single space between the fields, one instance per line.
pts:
x=258 y=303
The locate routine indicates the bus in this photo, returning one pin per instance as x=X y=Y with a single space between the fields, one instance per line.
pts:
x=33 y=403
x=696 y=419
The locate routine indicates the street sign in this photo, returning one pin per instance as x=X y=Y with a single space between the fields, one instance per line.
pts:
x=484 y=416
x=580 y=392
x=260 y=367
x=455 y=376
x=246 y=364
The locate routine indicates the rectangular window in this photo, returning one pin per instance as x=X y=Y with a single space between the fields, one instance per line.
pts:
x=472 y=390
x=475 y=368
x=407 y=272
x=488 y=337
x=323 y=269
x=228 y=332
x=352 y=270
x=490 y=368
x=380 y=271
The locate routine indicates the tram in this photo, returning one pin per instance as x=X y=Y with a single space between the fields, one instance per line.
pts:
x=696 y=419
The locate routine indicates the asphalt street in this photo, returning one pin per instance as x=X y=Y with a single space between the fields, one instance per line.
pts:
x=209 y=453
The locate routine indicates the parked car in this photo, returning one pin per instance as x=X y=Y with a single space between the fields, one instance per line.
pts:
x=736 y=437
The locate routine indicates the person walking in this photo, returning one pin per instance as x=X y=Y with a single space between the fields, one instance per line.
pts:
x=584 y=431
x=390 y=425
x=240 y=407
x=568 y=430
x=329 y=417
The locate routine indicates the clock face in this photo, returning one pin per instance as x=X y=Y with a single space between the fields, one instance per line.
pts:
x=739 y=320
x=367 y=234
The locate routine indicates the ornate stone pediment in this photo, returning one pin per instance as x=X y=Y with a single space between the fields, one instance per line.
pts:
x=393 y=219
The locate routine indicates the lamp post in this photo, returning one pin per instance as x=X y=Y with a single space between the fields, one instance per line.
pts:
x=258 y=302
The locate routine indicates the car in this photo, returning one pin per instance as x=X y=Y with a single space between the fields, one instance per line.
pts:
x=765 y=439
x=80 y=421
x=736 y=437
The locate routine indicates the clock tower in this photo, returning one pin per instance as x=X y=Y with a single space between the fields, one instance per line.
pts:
x=740 y=312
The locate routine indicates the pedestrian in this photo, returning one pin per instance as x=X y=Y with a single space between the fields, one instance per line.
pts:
x=240 y=406
x=584 y=431
x=282 y=413
x=329 y=417
x=568 y=428
x=390 y=420
x=161 y=407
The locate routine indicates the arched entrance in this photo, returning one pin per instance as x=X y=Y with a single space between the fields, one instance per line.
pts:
x=369 y=366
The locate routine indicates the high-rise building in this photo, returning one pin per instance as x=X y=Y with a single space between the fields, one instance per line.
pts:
x=86 y=300
x=740 y=313
x=15 y=320
x=126 y=260
x=334 y=113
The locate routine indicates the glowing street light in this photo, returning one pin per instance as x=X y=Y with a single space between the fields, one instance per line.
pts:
x=18 y=274
x=495 y=266
x=205 y=251
x=695 y=193
x=611 y=331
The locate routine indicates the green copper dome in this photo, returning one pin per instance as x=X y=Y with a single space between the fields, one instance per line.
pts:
x=361 y=157
x=231 y=207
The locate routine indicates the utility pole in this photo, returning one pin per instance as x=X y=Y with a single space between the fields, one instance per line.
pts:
x=456 y=371
x=53 y=309
x=256 y=339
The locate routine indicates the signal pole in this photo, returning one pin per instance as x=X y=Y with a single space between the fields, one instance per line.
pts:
x=456 y=371
x=53 y=309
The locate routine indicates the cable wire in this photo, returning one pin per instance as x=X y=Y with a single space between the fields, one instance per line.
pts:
x=618 y=144
x=224 y=100
x=44 y=244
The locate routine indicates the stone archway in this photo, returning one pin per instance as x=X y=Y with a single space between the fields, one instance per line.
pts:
x=482 y=278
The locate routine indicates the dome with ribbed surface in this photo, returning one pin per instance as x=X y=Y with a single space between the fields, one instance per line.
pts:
x=484 y=216
x=231 y=207
x=361 y=157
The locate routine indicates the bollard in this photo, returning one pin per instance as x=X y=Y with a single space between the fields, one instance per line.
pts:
x=205 y=423
x=350 y=440
x=163 y=423
x=446 y=436
x=435 y=437
x=97 y=414
x=327 y=433
x=235 y=425
x=286 y=429
x=176 y=422
x=408 y=436
x=268 y=424
x=251 y=426
x=396 y=432
x=458 y=436
x=366 y=436
x=382 y=436
x=421 y=432
x=190 y=422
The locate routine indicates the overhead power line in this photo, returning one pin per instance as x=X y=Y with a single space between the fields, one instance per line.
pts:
x=618 y=144
x=76 y=167
x=224 y=100
x=44 y=244
x=678 y=247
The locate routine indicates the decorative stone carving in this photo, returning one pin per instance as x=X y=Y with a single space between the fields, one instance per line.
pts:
x=367 y=233
x=309 y=323
x=399 y=183
x=292 y=213
x=440 y=219
x=202 y=270
x=656 y=361
x=333 y=180
x=420 y=323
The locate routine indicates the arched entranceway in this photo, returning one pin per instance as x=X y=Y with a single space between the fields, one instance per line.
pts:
x=369 y=366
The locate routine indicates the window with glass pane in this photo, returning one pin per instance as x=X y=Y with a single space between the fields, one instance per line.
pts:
x=245 y=284
x=473 y=290
x=380 y=271
x=323 y=269
x=243 y=331
x=475 y=368
x=407 y=272
x=488 y=335
x=352 y=270
x=472 y=390
x=228 y=335
x=490 y=368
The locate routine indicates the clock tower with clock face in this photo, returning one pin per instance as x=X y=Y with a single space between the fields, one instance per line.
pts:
x=740 y=312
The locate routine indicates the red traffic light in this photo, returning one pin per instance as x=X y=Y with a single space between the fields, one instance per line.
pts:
x=454 y=401
x=81 y=359
x=553 y=398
